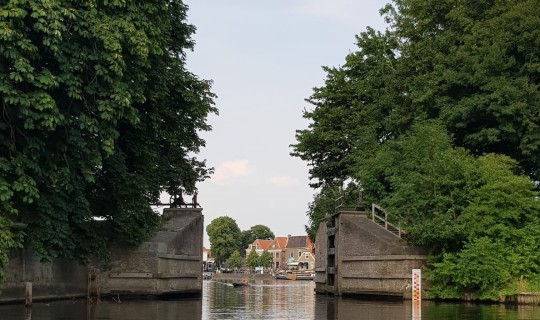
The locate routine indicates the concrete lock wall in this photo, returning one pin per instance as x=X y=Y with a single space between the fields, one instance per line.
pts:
x=50 y=280
x=169 y=263
x=367 y=260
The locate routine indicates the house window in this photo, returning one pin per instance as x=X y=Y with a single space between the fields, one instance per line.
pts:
x=292 y=255
x=299 y=255
x=277 y=255
x=306 y=255
x=253 y=247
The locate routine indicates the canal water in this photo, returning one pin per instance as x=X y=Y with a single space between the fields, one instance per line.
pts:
x=276 y=299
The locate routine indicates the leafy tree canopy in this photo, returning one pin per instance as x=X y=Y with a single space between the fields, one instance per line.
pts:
x=437 y=118
x=265 y=259
x=99 y=116
x=458 y=206
x=258 y=231
x=235 y=260
x=472 y=65
x=252 y=259
x=224 y=236
x=324 y=203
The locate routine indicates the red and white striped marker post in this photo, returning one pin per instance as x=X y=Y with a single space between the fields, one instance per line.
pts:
x=417 y=294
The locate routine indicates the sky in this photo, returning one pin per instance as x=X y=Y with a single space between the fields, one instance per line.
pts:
x=265 y=58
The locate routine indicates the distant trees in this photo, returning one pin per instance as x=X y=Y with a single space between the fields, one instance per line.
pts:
x=224 y=236
x=258 y=231
x=265 y=259
x=235 y=260
x=252 y=259
x=99 y=116
x=437 y=119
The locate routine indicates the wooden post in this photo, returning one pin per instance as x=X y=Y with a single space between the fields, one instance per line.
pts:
x=28 y=294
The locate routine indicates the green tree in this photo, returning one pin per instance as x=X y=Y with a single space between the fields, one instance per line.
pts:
x=235 y=260
x=420 y=113
x=99 y=117
x=458 y=206
x=252 y=259
x=265 y=259
x=224 y=236
x=258 y=231
x=470 y=65
x=246 y=239
x=422 y=178
x=324 y=204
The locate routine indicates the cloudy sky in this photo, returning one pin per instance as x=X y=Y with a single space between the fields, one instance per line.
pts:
x=264 y=58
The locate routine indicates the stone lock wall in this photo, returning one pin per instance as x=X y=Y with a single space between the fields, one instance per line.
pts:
x=368 y=260
x=169 y=263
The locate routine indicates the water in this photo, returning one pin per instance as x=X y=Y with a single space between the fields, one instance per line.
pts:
x=264 y=300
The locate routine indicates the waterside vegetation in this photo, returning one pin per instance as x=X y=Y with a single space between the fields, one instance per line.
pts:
x=98 y=117
x=437 y=119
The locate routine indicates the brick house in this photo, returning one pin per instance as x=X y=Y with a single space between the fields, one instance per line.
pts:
x=291 y=252
x=259 y=246
x=277 y=250
x=295 y=249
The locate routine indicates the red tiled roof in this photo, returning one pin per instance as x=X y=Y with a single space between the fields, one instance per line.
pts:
x=281 y=242
x=263 y=244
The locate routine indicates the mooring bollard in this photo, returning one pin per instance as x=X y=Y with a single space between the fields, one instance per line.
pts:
x=28 y=294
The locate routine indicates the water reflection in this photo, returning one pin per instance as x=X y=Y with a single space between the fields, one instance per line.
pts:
x=265 y=300
x=261 y=300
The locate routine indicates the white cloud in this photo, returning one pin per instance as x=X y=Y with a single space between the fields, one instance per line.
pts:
x=227 y=172
x=350 y=12
x=284 y=181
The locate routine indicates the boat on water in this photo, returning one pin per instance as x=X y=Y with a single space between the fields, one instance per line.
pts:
x=242 y=283
x=295 y=276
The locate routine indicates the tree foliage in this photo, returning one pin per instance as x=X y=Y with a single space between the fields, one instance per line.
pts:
x=324 y=204
x=99 y=116
x=437 y=119
x=471 y=65
x=458 y=206
x=252 y=259
x=224 y=236
x=235 y=260
x=265 y=259
x=258 y=231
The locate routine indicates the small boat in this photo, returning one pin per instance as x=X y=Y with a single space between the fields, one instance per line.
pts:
x=240 y=284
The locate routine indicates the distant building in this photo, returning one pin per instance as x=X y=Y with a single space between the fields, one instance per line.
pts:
x=277 y=250
x=306 y=261
x=296 y=247
x=259 y=246
x=291 y=252
x=208 y=260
